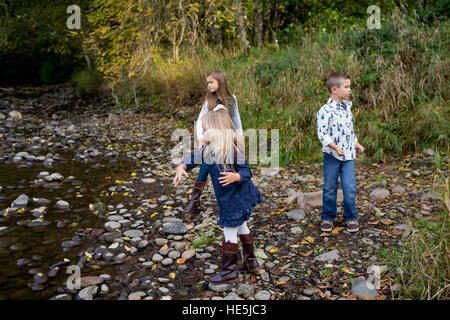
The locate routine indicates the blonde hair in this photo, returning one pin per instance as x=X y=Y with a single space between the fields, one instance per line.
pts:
x=223 y=141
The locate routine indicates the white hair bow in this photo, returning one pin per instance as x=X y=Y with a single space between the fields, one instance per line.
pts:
x=218 y=107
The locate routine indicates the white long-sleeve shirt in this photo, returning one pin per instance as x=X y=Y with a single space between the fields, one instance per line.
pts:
x=335 y=124
x=234 y=115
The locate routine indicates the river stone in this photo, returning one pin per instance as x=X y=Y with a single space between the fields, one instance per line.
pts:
x=133 y=234
x=114 y=218
x=362 y=288
x=112 y=226
x=61 y=204
x=62 y=297
x=90 y=281
x=87 y=293
x=296 y=230
x=43 y=174
x=157 y=257
x=167 y=261
x=148 y=180
x=308 y=291
x=188 y=254
x=56 y=177
x=110 y=236
x=328 y=256
x=296 y=214
x=398 y=189
x=70 y=244
x=21 y=201
x=379 y=194
x=175 y=228
x=161 y=241
x=38 y=212
x=174 y=254
x=262 y=295
x=219 y=287
x=40 y=278
x=245 y=289
x=142 y=244
x=37 y=223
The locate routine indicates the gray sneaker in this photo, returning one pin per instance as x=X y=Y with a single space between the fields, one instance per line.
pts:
x=352 y=226
x=326 y=226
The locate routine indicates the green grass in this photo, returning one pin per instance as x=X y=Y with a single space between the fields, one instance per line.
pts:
x=422 y=266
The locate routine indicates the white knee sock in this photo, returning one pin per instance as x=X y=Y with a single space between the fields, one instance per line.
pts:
x=243 y=229
x=230 y=234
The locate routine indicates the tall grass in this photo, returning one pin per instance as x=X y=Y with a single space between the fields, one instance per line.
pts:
x=423 y=264
x=400 y=83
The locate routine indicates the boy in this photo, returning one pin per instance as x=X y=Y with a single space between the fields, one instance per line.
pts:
x=339 y=145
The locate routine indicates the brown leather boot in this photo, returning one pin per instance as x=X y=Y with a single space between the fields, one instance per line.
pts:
x=250 y=262
x=229 y=264
x=195 y=200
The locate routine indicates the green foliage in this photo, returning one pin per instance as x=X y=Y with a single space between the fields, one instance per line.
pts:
x=86 y=82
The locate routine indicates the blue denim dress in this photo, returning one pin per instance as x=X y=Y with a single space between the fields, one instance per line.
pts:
x=237 y=200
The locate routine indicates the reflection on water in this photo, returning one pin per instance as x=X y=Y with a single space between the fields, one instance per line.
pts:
x=26 y=251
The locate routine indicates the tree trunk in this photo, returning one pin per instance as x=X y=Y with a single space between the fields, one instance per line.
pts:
x=217 y=37
x=258 y=23
x=242 y=30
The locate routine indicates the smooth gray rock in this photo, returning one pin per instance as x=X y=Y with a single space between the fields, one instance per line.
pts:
x=262 y=295
x=363 y=287
x=297 y=214
x=219 y=287
x=87 y=293
x=133 y=234
x=21 y=201
x=37 y=223
x=379 y=194
x=328 y=256
x=112 y=226
x=61 y=297
x=61 y=204
x=175 y=228
x=70 y=244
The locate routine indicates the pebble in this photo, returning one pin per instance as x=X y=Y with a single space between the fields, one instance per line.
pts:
x=328 y=256
x=133 y=234
x=157 y=257
x=61 y=204
x=297 y=214
x=175 y=228
x=87 y=293
x=296 y=230
x=219 y=287
x=161 y=241
x=363 y=287
x=188 y=254
x=379 y=194
x=262 y=295
x=21 y=201
x=308 y=291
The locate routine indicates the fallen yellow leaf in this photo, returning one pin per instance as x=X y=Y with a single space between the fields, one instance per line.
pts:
x=337 y=229
x=285 y=267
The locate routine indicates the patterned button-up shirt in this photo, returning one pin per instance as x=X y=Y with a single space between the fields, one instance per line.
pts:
x=335 y=124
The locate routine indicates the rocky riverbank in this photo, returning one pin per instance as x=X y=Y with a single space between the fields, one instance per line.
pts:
x=86 y=187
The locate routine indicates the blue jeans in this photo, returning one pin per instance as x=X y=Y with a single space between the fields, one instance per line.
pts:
x=332 y=168
x=203 y=173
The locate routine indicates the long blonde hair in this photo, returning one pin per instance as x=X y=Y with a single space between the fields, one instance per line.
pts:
x=223 y=141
